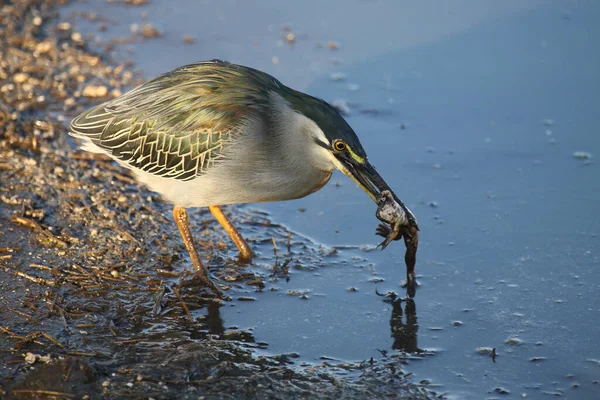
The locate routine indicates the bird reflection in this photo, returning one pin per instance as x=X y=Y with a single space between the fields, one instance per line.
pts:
x=214 y=321
x=404 y=332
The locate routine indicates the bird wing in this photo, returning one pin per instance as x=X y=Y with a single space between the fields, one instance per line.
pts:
x=178 y=124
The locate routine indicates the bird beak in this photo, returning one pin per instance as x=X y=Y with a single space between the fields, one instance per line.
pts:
x=369 y=180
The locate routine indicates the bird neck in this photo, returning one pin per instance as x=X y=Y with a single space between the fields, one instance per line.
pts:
x=297 y=135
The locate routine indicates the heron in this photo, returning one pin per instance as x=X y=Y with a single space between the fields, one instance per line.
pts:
x=213 y=133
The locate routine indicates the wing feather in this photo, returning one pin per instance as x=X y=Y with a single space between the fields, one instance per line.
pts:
x=178 y=124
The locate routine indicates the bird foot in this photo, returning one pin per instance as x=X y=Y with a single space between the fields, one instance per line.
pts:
x=411 y=284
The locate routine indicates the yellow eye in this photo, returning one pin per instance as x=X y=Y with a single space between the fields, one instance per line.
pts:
x=339 y=145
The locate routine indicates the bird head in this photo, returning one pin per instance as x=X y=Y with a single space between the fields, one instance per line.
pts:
x=345 y=151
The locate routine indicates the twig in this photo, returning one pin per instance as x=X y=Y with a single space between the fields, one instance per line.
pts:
x=20 y=313
x=53 y=304
x=82 y=354
x=39 y=266
x=164 y=272
x=130 y=341
x=9 y=249
x=39 y=281
x=90 y=157
x=42 y=392
x=11 y=333
x=183 y=305
x=274 y=245
x=157 y=303
x=124 y=178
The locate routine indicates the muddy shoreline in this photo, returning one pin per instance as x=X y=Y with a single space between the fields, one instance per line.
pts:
x=96 y=298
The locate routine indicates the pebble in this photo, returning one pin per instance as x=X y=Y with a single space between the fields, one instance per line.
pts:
x=64 y=26
x=485 y=350
x=537 y=359
x=44 y=47
x=582 y=155
x=150 y=31
x=513 y=341
x=337 y=76
x=20 y=77
x=342 y=106
x=501 y=390
x=95 y=91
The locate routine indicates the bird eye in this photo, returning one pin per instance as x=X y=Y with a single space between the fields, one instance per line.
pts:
x=339 y=145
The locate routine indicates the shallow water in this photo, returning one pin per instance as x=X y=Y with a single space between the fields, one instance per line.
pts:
x=494 y=100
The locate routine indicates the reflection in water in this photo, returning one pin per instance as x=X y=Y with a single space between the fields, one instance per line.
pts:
x=404 y=333
x=214 y=321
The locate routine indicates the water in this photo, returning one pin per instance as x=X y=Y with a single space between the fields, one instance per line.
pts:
x=494 y=99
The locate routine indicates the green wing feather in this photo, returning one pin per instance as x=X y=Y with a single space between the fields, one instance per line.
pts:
x=178 y=124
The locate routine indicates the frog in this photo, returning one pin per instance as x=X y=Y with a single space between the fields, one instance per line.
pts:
x=398 y=222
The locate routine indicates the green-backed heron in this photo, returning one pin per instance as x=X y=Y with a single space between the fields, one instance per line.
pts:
x=215 y=133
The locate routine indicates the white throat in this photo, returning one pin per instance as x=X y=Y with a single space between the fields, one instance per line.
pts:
x=305 y=134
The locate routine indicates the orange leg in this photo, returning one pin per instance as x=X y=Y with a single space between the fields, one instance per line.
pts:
x=233 y=233
x=181 y=219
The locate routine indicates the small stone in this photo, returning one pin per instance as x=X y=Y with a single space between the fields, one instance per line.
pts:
x=114 y=273
x=20 y=77
x=579 y=155
x=43 y=47
x=64 y=26
x=501 y=390
x=106 y=383
x=513 y=341
x=95 y=91
x=150 y=31
x=30 y=358
x=485 y=350
x=457 y=323
x=548 y=122
x=537 y=359
x=342 y=106
x=337 y=76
